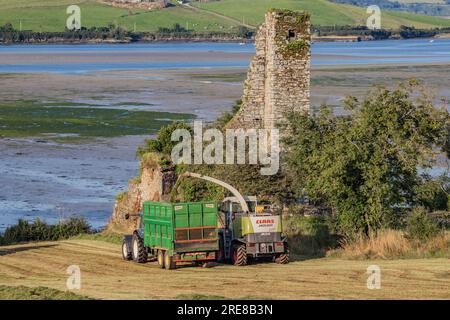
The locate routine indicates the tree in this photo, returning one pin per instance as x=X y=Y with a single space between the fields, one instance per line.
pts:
x=163 y=143
x=447 y=142
x=366 y=164
x=244 y=32
x=7 y=27
x=246 y=178
x=420 y=226
x=432 y=193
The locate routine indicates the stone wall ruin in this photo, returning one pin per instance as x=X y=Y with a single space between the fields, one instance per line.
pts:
x=278 y=79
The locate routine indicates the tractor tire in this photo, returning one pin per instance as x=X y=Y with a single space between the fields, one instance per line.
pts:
x=139 y=251
x=282 y=258
x=160 y=258
x=169 y=262
x=239 y=256
x=126 y=250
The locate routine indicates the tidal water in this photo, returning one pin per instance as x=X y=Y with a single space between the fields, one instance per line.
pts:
x=323 y=53
x=84 y=179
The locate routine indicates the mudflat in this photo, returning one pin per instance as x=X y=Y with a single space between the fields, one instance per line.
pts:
x=54 y=175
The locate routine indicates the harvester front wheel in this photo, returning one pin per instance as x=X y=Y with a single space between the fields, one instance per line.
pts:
x=239 y=255
x=282 y=258
x=139 y=252
x=161 y=259
x=126 y=250
x=169 y=262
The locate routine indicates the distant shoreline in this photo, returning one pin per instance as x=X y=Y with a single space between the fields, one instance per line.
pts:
x=100 y=41
x=187 y=40
x=155 y=38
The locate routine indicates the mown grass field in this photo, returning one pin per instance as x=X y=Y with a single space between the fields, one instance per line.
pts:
x=104 y=275
x=39 y=293
x=50 y=15
x=30 y=118
x=322 y=13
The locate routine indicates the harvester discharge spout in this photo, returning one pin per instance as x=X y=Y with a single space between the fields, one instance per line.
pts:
x=233 y=190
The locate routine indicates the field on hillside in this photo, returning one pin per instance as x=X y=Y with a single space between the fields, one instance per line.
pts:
x=104 y=275
x=322 y=13
x=225 y=15
x=50 y=15
x=419 y=1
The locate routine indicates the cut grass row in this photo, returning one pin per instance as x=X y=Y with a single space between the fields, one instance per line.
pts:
x=44 y=293
x=30 y=118
x=38 y=293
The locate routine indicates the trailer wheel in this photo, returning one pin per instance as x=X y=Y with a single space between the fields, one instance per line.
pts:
x=139 y=252
x=169 y=262
x=160 y=258
x=126 y=250
x=239 y=255
x=282 y=258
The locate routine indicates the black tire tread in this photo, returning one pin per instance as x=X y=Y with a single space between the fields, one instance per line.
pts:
x=129 y=255
x=160 y=253
x=241 y=259
x=142 y=256
x=171 y=265
x=282 y=258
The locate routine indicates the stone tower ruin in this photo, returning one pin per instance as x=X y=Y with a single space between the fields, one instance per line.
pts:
x=278 y=80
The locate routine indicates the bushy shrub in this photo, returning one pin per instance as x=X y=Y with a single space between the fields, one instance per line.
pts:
x=309 y=236
x=245 y=32
x=432 y=194
x=226 y=116
x=176 y=28
x=420 y=226
x=163 y=142
x=39 y=230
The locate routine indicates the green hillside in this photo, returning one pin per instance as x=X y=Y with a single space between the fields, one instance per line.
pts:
x=50 y=15
x=322 y=12
x=224 y=15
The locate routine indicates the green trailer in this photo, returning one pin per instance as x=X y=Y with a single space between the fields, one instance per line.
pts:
x=174 y=233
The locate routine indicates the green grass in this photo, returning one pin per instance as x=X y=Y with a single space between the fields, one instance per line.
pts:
x=50 y=15
x=39 y=293
x=225 y=77
x=69 y=104
x=322 y=13
x=109 y=237
x=30 y=118
x=133 y=103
